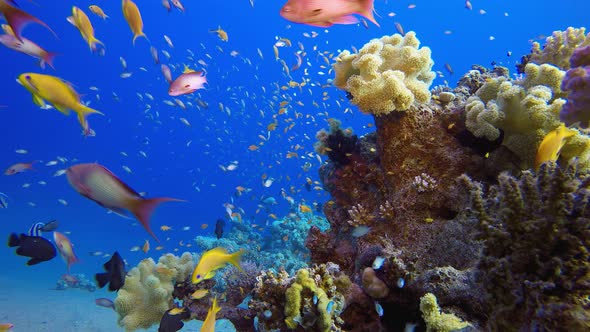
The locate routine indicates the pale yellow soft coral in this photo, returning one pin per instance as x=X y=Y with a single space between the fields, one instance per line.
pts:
x=437 y=321
x=388 y=74
x=525 y=110
x=147 y=292
x=559 y=47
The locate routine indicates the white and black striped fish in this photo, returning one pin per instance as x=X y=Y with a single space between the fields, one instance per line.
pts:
x=36 y=228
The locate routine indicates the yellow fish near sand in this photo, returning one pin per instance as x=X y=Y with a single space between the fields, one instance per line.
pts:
x=214 y=260
x=133 y=18
x=552 y=144
x=51 y=89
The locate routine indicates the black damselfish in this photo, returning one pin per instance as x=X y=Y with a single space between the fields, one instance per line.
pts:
x=171 y=322
x=115 y=275
x=219 y=228
x=39 y=249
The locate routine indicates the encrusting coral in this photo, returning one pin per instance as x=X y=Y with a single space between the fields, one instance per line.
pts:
x=147 y=293
x=388 y=74
x=536 y=259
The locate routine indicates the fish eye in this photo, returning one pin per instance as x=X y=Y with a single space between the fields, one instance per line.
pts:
x=28 y=77
x=198 y=276
x=187 y=86
x=286 y=9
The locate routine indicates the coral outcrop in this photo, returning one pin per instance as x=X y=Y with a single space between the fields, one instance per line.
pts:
x=388 y=74
x=559 y=47
x=577 y=84
x=147 y=293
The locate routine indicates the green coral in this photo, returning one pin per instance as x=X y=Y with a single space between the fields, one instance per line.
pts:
x=388 y=74
x=436 y=320
x=525 y=110
x=559 y=47
x=536 y=260
x=147 y=292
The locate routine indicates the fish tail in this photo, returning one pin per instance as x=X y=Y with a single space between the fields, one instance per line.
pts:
x=92 y=42
x=137 y=35
x=18 y=19
x=143 y=209
x=48 y=59
x=215 y=308
x=236 y=257
x=83 y=112
x=367 y=8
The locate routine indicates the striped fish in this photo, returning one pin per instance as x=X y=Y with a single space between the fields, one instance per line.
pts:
x=3 y=201
x=36 y=229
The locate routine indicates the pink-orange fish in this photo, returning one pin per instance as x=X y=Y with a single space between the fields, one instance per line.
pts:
x=19 y=168
x=325 y=13
x=100 y=185
x=178 y=4
x=188 y=82
x=26 y=46
x=18 y=19
x=65 y=249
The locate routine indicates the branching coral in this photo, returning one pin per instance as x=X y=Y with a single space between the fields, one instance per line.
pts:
x=147 y=293
x=536 y=263
x=387 y=74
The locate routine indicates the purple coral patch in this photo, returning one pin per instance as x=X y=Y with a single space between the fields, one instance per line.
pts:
x=577 y=82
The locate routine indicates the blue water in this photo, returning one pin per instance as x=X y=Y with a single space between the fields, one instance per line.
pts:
x=174 y=169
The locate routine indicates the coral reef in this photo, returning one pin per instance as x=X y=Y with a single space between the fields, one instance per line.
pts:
x=388 y=74
x=524 y=111
x=312 y=300
x=577 y=83
x=536 y=263
x=77 y=280
x=147 y=293
x=559 y=47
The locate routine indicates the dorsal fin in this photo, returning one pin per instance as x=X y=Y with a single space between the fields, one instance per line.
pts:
x=187 y=70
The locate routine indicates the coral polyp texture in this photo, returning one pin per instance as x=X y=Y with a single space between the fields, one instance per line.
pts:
x=536 y=259
x=147 y=293
x=559 y=47
x=577 y=83
x=387 y=74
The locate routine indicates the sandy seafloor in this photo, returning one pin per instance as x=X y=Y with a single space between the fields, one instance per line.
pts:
x=35 y=308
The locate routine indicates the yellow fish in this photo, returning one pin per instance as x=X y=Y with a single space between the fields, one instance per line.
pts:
x=209 y=323
x=551 y=145
x=98 y=11
x=199 y=294
x=176 y=311
x=133 y=18
x=55 y=91
x=80 y=20
x=220 y=33
x=214 y=260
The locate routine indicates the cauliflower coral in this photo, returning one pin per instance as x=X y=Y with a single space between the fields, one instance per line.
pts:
x=388 y=74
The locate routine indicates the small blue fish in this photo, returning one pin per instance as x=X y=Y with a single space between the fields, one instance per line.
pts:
x=329 y=307
x=378 y=262
x=379 y=309
x=3 y=201
x=315 y=299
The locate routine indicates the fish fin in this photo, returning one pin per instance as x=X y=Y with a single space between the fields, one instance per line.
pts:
x=72 y=20
x=13 y=240
x=347 y=19
x=367 y=8
x=18 y=19
x=187 y=70
x=142 y=209
x=120 y=212
x=102 y=279
x=236 y=257
x=141 y=34
x=92 y=42
x=8 y=30
x=62 y=109
x=215 y=308
x=48 y=59
x=83 y=112
x=209 y=275
x=34 y=261
x=321 y=24
x=38 y=101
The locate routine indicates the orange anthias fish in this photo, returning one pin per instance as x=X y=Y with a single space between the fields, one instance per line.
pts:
x=96 y=10
x=100 y=185
x=26 y=46
x=19 y=168
x=18 y=19
x=188 y=82
x=325 y=13
x=80 y=20
x=65 y=248
x=133 y=18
